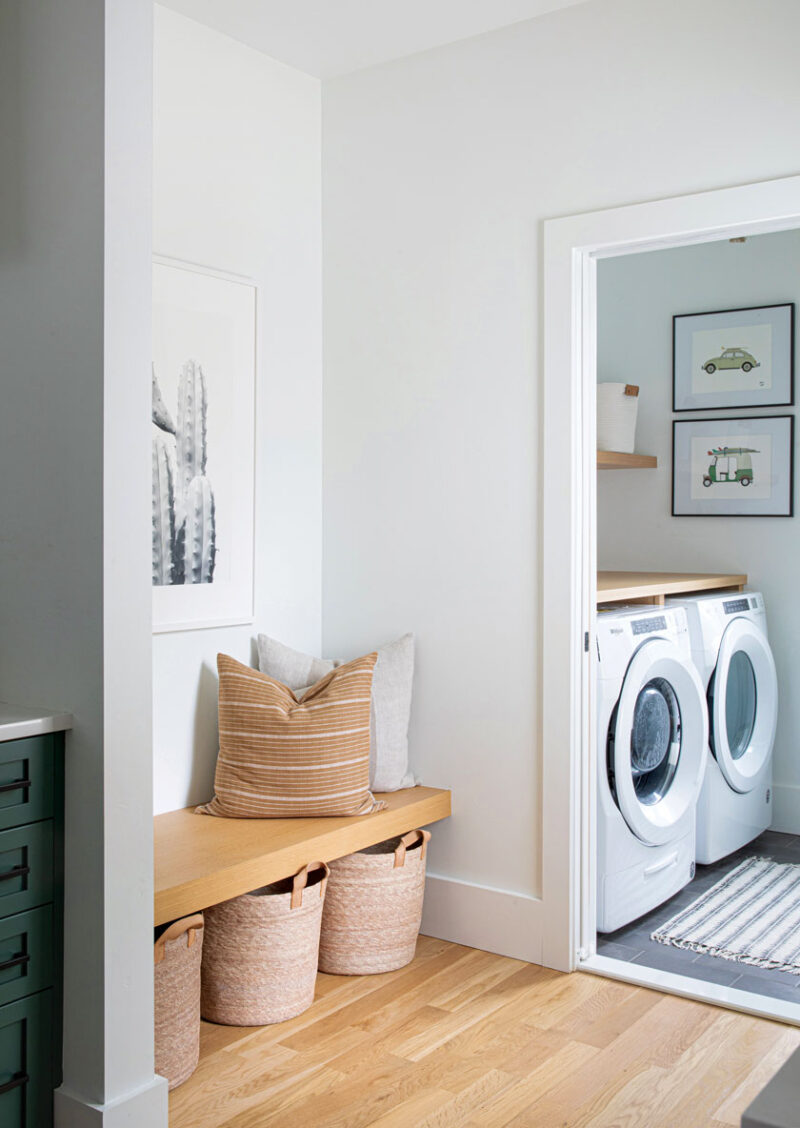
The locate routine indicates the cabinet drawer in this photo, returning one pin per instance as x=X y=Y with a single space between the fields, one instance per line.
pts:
x=26 y=868
x=26 y=1082
x=26 y=780
x=26 y=953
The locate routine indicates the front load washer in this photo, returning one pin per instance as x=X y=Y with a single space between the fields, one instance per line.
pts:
x=733 y=657
x=652 y=733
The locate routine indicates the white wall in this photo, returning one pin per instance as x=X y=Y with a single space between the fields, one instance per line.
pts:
x=237 y=188
x=74 y=511
x=637 y=296
x=438 y=171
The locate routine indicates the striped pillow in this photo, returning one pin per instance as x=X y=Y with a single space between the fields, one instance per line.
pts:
x=284 y=758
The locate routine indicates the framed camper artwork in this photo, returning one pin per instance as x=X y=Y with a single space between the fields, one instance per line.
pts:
x=203 y=447
x=733 y=358
x=733 y=467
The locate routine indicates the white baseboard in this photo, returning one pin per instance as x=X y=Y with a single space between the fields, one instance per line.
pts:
x=786 y=808
x=145 y=1108
x=493 y=920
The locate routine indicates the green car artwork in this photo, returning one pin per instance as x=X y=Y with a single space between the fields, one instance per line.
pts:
x=731 y=358
x=731 y=464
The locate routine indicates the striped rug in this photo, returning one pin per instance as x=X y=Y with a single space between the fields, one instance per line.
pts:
x=752 y=915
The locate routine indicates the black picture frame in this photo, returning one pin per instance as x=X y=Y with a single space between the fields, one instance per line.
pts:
x=732 y=422
x=720 y=401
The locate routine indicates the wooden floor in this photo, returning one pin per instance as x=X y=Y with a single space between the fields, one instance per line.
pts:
x=461 y=1037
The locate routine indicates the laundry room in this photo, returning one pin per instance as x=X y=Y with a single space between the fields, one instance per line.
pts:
x=698 y=683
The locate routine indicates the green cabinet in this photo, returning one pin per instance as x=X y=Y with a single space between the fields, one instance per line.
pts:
x=27 y=953
x=26 y=867
x=26 y=1063
x=31 y=927
x=27 y=774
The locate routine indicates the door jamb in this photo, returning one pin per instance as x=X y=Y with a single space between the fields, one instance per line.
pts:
x=572 y=246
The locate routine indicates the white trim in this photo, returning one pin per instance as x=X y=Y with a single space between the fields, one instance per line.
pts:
x=571 y=248
x=786 y=808
x=494 y=920
x=690 y=988
x=134 y=1110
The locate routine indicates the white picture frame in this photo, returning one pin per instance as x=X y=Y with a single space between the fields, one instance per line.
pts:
x=204 y=378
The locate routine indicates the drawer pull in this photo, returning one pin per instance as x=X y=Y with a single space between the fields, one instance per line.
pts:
x=17 y=871
x=16 y=1082
x=18 y=961
x=15 y=785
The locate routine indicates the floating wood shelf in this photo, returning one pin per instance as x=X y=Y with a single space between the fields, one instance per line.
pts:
x=201 y=860
x=616 y=460
x=652 y=587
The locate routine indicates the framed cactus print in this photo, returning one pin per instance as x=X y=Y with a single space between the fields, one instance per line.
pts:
x=203 y=447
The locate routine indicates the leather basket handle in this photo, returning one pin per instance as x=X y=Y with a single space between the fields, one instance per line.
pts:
x=407 y=841
x=190 y=925
x=300 y=881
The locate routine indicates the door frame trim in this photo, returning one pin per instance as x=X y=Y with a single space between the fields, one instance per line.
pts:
x=572 y=246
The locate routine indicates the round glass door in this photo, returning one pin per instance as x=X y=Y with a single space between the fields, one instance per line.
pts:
x=740 y=704
x=655 y=740
x=743 y=704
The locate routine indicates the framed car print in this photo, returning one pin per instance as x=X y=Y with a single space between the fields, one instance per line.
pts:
x=733 y=358
x=733 y=467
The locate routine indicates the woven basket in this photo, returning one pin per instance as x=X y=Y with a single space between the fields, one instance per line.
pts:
x=177 y=954
x=373 y=908
x=260 y=951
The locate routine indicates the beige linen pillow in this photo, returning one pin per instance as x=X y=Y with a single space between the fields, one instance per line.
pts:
x=282 y=758
x=391 y=700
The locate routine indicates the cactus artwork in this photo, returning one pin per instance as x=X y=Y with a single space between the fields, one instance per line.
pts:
x=163 y=513
x=184 y=519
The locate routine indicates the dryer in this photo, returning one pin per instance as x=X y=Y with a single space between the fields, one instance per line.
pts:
x=733 y=657
x=652 y=736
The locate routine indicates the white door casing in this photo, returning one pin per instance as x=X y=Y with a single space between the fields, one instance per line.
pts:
x=572 y=246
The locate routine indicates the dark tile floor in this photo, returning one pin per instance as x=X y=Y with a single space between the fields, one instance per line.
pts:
x=633 y=944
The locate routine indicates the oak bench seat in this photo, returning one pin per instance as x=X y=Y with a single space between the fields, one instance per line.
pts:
x=201 y=860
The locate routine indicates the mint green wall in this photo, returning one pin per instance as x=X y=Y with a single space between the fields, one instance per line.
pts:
x=637 y=296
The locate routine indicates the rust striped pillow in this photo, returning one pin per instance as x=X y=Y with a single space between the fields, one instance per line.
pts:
x=284 y=758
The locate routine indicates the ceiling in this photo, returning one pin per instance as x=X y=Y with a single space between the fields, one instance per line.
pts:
x=332 y=37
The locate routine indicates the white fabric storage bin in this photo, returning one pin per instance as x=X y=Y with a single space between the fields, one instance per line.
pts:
x=617 y=405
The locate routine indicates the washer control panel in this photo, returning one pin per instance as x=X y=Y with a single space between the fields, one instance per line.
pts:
x=736 y=606
x=647 y=626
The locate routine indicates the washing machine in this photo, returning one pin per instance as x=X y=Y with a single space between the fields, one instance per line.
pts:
x=652 y=740
x=732 y=654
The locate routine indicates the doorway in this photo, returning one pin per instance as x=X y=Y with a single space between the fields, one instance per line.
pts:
x=573 y=248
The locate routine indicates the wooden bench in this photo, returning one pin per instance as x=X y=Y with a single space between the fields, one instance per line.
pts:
x=201 y=860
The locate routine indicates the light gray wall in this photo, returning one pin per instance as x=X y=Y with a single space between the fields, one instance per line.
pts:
x=637 y=296
x=438 y=171
x=74 y=613
x=237 y=187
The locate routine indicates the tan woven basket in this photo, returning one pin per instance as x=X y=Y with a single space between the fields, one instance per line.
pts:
x=373 y=908
x=260 y=951
x=177 y=954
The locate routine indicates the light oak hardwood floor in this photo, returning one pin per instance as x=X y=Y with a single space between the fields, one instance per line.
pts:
x=463 y=1037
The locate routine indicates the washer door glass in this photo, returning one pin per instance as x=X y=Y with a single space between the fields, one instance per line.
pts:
x=655 y=740
x=743 y=704
x=740 y=704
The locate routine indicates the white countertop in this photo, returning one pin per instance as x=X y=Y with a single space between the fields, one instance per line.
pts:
x=19 y=721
